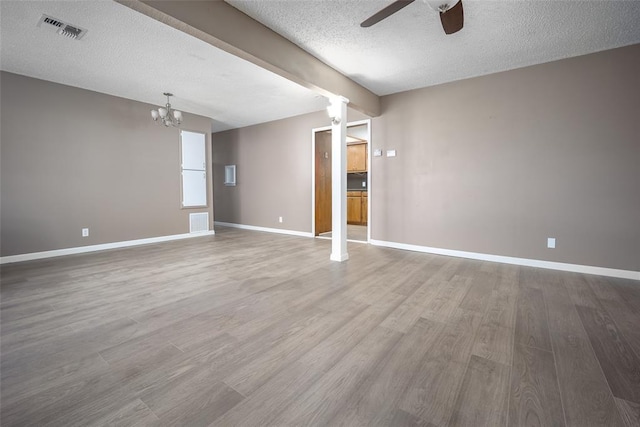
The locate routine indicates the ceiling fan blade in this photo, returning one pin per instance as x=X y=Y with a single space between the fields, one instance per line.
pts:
x=453 y=19
x=386 y=12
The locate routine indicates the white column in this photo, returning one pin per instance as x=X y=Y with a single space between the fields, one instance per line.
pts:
x=338 y=114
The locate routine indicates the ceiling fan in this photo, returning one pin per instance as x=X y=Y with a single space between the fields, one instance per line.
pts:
x=451 y=14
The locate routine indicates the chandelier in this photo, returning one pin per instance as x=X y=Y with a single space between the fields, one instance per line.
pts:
x=167 y=116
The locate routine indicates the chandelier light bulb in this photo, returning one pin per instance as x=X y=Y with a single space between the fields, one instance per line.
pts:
x=167 y=115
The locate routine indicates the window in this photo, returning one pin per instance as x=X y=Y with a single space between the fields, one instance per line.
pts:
x=194 y=169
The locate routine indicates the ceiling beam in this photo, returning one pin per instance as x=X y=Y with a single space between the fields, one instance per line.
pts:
x=228 y=29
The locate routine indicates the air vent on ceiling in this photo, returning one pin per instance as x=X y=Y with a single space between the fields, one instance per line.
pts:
x=62 y=28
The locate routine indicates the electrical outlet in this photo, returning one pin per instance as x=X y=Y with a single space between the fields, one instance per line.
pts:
x=364 y=184
x=279 y=219
x=551 y=242
x=85 y=232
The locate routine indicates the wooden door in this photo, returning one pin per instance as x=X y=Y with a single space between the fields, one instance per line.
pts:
x=323 y=182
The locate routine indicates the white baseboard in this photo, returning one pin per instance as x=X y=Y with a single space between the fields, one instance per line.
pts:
x=101 y=247
x=265 y=229
x=576 y=268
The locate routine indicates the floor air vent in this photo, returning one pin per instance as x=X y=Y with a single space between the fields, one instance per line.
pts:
x=198 y=222
x=62 y=28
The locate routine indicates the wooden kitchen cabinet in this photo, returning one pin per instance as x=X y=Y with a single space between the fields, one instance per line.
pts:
x=365 y=208
x=357 y=207
x=354 y=207
x=357 y=157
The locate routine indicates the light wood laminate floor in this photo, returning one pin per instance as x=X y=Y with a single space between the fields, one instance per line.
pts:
x=354 y=232
x=252 y=329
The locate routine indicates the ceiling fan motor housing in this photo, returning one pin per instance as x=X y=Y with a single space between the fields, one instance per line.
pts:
x=441 y=5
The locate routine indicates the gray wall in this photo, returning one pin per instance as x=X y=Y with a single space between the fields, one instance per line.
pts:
x=494 y=164
x=499 y=163
x=273 y=172
x=72 y=158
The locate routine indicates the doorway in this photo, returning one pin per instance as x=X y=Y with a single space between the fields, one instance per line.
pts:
x=358 y=180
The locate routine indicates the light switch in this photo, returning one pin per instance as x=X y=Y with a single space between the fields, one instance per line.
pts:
x=551 y=242
x=391 y=153
x=377 y=152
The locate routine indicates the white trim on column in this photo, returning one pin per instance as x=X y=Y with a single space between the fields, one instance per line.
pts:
x=551 y=265
x=100 y=247
x=265 y=229
x=338 y=113
x=339 y=257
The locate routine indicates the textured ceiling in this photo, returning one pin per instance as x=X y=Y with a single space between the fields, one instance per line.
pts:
x=410 y=50
x=130 y=55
